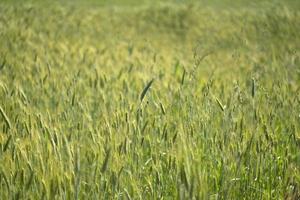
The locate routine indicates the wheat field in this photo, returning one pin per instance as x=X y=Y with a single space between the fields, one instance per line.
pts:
x=150 y=99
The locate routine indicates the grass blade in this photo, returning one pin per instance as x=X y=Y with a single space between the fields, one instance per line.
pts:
x=183 y=77
x=7 y=143
x=6 y=119
x=162 y=108
x=145 y=90
x=105 y=162
x=220 y=104
x=253 y=88
x=2 y=64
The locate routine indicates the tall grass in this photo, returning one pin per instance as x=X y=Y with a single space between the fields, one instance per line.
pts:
x=82 y=118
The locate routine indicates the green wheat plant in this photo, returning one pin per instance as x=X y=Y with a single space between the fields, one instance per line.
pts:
x=150 y=99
